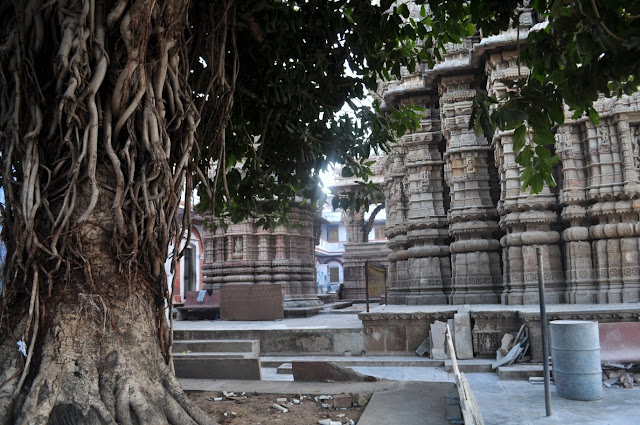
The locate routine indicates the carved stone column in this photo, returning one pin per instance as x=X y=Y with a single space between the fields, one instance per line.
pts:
x=396 y=227
x=526 y=219
x=422 y=263
x=475 y=261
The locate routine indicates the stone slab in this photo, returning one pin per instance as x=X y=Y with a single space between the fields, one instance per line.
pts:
x=423 y=348
x=619 y=341
x=412 y=403
x=215 y=368
x=462 y=336
x=437 y=337
x=262 y=301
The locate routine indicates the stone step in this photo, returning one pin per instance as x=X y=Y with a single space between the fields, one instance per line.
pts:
x=470 y=365
x=251 y=346
x=277 y=361
x=521 y=371
x=217 y=368
x=214 y=355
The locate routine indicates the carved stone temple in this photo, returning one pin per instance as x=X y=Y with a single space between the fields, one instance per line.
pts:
x=257 y=260
x=459 y=227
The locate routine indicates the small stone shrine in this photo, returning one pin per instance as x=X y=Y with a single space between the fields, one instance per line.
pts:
x=246 y=254
x=358 y=249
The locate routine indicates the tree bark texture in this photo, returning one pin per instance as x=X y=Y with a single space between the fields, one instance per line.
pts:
x=97 y=139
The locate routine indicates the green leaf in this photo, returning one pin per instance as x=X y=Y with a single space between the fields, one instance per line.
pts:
x=519 y=138
x=543 y=137
x=556 y=112
x=525 y=156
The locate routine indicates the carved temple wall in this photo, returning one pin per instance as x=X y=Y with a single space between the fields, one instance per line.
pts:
x=461 y=230
x=244 y=253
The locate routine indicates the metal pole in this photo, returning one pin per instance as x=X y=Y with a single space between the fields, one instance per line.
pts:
x=366 y=282
x=545 y=338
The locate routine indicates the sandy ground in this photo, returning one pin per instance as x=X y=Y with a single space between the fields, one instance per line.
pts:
x=257 y=409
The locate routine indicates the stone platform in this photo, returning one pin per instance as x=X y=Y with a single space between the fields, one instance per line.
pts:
x=393 y=330
x=398 y=330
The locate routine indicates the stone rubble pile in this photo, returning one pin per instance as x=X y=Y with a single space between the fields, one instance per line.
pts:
x=621 y=375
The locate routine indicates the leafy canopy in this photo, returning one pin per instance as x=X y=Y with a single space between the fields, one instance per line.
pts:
x=296 y=63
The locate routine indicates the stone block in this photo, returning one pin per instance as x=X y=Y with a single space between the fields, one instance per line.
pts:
x=341 y=401
x=261 y=301
x=462 y=335
x=437 y=340
x=216 y=368
x=506 y=343
x=423 y=348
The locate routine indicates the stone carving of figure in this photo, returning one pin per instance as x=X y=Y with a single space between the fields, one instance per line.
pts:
x=237 y=245
x=471 y=165
x=635 y=145
x=603 y=132
x=424 y=177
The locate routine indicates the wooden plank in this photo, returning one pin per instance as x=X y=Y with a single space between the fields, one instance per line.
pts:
x=470 y=410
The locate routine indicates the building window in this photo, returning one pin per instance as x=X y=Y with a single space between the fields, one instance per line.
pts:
x=334 y=274
x=188 y=272
x=333 y=235
x=379 y=231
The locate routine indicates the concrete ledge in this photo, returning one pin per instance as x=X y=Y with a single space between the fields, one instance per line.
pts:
x=470 y=365
x=302 y=311
x=312 y=341
x=521 y=371
x=217 y=346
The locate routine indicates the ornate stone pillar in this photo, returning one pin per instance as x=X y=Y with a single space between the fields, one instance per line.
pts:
x=475 y=261
x=423 y=270
x=353 y=221
x=215 y=256
x=396 y=228
x=526 y=219
x=615 y=251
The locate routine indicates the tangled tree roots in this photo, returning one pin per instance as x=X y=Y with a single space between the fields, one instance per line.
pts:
x=97 y=140
x=128 y=382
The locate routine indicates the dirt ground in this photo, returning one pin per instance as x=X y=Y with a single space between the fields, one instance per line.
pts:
x=257 y=409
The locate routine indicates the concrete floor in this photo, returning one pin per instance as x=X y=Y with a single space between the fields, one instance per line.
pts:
x=500 y=402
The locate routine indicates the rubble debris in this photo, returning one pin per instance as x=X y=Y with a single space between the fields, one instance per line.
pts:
x=506 y=343
x=363 y=400
x=423 y=349
x=280 y=408
x=518 y=350
x=329 y=422
x=620 y=375
x=343 y=401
